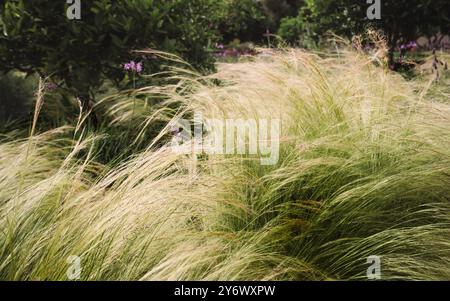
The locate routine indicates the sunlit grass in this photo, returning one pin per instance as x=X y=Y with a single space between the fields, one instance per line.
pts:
x=364 y=170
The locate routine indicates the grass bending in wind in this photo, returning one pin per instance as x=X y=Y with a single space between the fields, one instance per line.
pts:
x=364 y=170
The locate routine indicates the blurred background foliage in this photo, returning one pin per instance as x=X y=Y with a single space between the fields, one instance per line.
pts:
x=16 y=93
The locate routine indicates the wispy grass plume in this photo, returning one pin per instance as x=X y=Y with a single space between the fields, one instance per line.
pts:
x=364 y=170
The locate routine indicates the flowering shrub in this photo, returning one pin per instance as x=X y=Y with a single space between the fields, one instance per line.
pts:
x=36 y=36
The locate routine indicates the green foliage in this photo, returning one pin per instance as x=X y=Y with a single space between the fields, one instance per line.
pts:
x=276 y=10
x=294 y=31
x=16 y=95
x=38 y=37
x=401 y=21
x=248 y=20
x=242 y=19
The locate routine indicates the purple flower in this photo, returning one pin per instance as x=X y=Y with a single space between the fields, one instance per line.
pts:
x=138 y=67
x=133 y=66
x=412 y=44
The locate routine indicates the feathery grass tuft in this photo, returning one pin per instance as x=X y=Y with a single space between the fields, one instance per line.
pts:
x=364 y=170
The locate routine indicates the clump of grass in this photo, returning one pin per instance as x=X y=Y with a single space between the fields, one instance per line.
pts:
x=364 y=170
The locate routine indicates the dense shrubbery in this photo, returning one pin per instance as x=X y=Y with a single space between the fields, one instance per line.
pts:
x=290 y=29
x=78 y=55
x=16 y=93
x=276 y=10
x=94 y=47
x=242 y=19
x=401 y=21
x=249 y=20
x=38 y=37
